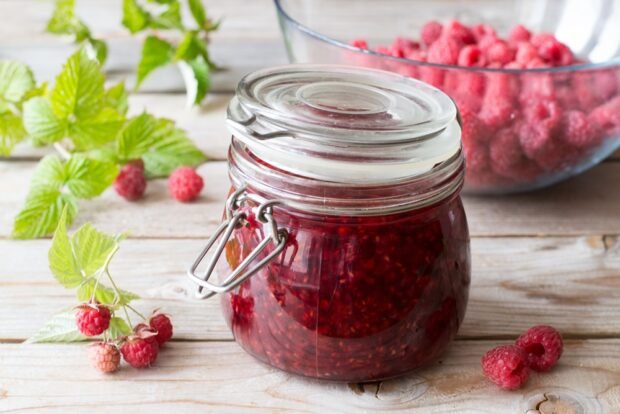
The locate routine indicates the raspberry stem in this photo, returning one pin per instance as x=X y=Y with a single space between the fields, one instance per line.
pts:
x=135 y=311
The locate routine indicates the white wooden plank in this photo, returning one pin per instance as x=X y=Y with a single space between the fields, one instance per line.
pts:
x=585 y=205
x=221 y=378
x=570 y=283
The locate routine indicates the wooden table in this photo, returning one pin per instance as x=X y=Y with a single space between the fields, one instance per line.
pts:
x=548 y=257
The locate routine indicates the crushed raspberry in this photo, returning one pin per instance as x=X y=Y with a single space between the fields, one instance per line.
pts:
x=543 y=347
x=430 y=32
x=559 y=119
x=506 y=366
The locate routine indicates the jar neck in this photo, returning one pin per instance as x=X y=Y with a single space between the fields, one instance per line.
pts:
x=312 y=195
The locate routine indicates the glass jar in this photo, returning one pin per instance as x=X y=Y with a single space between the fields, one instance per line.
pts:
x=345 y=245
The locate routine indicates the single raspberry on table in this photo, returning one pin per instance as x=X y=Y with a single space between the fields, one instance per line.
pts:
x=92 y=319
x=430 y=32
x=506 y=366
x=185 y=184
x=163 y=326
x=140 y=352
x=542 y=346
x=104 y=356
x=130 y=183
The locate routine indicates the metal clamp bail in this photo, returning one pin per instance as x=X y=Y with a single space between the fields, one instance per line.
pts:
x=264 y=214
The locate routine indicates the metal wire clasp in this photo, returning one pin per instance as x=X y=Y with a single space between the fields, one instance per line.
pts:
x=233 y=220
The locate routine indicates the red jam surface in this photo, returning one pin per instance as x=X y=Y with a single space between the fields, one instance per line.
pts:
x=353 y=298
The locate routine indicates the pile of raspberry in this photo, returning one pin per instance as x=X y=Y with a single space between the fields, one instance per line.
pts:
x=519 y=127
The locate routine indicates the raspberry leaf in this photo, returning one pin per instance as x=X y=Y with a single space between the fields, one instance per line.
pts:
x=196 y=75
x=61 y=257
x=118 y=328
x=135 y=18
x=137 y=137
x=198 y=12
x=88 y=178
x=15 y=80
x=170 y=18
x=93 y=249
x=116 y=98
x=155 y=53
x=11 y=132
x=64 y=21
x=171 y=150
x=105 y=294
x=42 y=211
x=50 y=172
x=61 y=328
x=96 y=131
x=100 y=49
x=78 y=91
x=41 y=123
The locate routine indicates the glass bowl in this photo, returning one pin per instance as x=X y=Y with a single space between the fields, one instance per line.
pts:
x=546 y=125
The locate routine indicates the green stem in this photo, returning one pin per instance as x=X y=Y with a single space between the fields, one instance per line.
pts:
x=136 y=312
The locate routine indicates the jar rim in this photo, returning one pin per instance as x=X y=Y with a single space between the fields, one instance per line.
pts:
x=344 y=124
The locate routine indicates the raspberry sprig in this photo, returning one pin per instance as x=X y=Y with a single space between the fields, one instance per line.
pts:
x=81 y=262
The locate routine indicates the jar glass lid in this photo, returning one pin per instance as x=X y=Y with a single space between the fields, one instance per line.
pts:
x=324 y=121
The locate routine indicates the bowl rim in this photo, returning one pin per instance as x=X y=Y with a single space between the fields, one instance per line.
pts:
x=334 y=42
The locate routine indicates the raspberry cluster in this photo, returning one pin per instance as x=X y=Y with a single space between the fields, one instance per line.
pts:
x=519 y=127
x=538 y=349
x=140 y=349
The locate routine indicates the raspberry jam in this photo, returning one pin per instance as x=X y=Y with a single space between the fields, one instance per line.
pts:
x=359 y=173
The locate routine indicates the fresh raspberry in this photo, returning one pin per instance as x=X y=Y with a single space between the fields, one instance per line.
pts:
x=163 y=326
x=430 y=32
x=481 y=30
x=519 y=33
x=404 y=46
x=526 y=53
x=92 y=319
x=500 y=52
x=185 y=184
x=543 y=347
x=104 y=356
x=444 y=51
x=359 y=43
x=140 y=352
x=537 y=63
x=505 y=152
x=506 y=366
x=578 y=131
x=485 y=42
x=459 y=31
x=556 y=53
x=496 y=112
x=471 y=55
x=538 y=39
x=131 y=182
x=432 y=76
x=534 y=138
x=473 y=132
x=543 y=111
x=607 y=116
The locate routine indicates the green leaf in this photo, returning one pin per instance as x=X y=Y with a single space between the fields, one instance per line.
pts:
x=137 y=137
x=135 y=18
x=170 y=18
x=11 y=132
x=196 y=74
x=190 y=46
x=15 y=80
x=93 y=249
x=118 y=328
x=198 y=12
x=116 y=97
x=41 y=122
x=171 y=150
x=105 y=294
x=61 y=328
x=41 y=213
x=50 y=173
x=37 y=91
x=61 y=257
x=91 y=132
x=155 y=53
x=105 y=153
x=79 y=87
x=62 y=20
x=100 y=49
x=88 y=178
